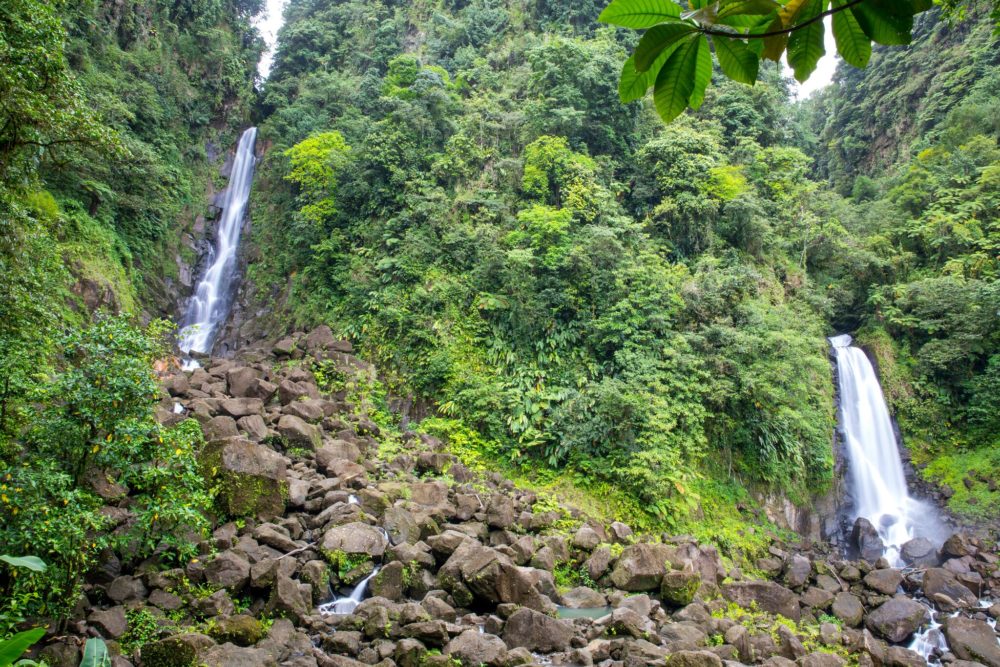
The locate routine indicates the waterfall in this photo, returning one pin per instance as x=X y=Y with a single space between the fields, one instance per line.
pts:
x=877 y=481
x=349 y=604
x=209 y=305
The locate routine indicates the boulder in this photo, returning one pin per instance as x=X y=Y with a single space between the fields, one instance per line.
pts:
x=242 y=630
x=768 y=596
x=176 y=651
x=241 y=407
x=943 y=588
x=389 y=582
x=500 y=511
x=535 y=631
x=290 y=598
x=253 y=426
x=352 y=539
x=970 y=639
x=821 y=660
x=958 y=545
x=473 y=648
x=401 y=525
x=251 y=478
x=897 y=619
x=337 y=449
x=919 y=552
x=125 y=588
x=231 y=655
x=220 y=427
x=641 y=567
x=582 y=597
x=867 y=541
x=240 y=381
x=884 y=581
x=693 y=659
x=296 y=432
x=678 y=587
x=848 y=608
x=228 y=570
x=477 y=572
x=111 y=623
x=797 y=571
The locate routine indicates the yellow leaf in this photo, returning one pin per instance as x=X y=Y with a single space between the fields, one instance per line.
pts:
x=789 y=11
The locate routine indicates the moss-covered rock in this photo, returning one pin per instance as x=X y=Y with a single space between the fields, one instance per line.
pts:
x=250 y=478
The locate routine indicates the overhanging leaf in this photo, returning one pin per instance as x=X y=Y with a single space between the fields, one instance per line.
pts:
x=702 y=72
x=639 y=14
x=633 y=85
x=12 y=649
x=805 y=45
x=33 y=563
x=883 y=22
x=95 y=653
x=752 y=7
x=789 y=14
x=774 y=46
x=736 y=59
x=675 y=82
x=659 y=39
x=853 y=44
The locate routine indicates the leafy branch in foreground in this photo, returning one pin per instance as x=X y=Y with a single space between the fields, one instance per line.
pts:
x=674 y=56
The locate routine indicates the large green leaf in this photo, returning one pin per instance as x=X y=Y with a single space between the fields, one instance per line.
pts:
x=736 y=59
x=805 y=45
x=702 y=72
x=95 y=653
x=885 y=22
x=853 y=44
x=12 y=649
x=633 y=85
x=639 y=14
x=33 y=563
x=751 y=7
x=675 y=82
x=657 y=40
x=773 y=46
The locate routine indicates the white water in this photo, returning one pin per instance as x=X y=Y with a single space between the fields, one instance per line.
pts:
x=876 y=469
x=350 y=603
x=209 y=305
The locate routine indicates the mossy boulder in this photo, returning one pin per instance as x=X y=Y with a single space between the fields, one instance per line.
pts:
x=242 y=630
x=251 y=478
x=176 y=651
x=678 y=587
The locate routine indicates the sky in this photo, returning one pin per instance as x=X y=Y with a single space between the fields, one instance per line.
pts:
x=824 y=69
x=268 y=23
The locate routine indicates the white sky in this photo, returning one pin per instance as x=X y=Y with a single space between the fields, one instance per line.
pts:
x=268 y=23
x=824 y=69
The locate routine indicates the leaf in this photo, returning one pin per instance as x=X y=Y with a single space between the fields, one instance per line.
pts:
x=657 y=40
x=11 y=649
x=853 y=44
x=789 y=14
x=805 y=46
x=33 y=563
x=752 y=7
x=702 y=72
x=883 y=22
x=633 y=85
x=774 y=46
x=95 y=653
x=736 y=59
x=675 y=82
x=639 y=13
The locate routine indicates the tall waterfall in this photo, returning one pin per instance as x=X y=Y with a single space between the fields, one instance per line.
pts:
x=209 y=305
x=876 y=469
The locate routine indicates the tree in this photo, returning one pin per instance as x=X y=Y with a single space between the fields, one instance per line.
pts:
x=674 y=56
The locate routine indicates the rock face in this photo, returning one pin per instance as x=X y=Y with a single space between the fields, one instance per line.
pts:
x=972 y=640
x=866 y=539
x=897 y=619
x=767 y=595
x=251 y=478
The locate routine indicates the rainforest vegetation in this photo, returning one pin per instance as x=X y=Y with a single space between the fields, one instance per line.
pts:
x=579 y=290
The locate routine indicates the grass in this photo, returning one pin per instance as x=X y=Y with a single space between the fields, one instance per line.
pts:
x=979 y=465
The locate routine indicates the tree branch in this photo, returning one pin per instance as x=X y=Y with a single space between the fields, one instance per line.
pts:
x=784 y=31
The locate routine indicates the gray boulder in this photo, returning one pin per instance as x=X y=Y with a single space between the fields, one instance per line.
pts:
x=866 y=539
x=897 y=619
x=296 y=432
x=473 y=648
x=920 y=552
x=535 y=631
x=943 y=588
x=641 y=567
x=767 y=595
x=970 y=639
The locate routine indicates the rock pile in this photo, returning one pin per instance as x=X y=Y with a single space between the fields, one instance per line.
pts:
x=473 y=571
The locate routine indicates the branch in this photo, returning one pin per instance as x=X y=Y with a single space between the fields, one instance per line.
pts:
x=784 y=31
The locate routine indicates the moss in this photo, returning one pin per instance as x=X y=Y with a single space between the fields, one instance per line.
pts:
x=350 y=568
x=969 y=474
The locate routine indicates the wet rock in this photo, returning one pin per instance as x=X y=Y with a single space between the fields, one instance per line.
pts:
x=534 y=631
x=641 y=567
x=885 y=581
x=767 y=595
x=847 y=608
x=958 y=545
x=251 y=478
x=944 y=589
x=230 y=655
x=866 y=539
x=970 y=639
x=919 y=552
x=897 y=619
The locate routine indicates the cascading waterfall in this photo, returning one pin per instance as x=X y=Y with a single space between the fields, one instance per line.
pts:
x=348 y=604
x=876 y=469
x=209 y=305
